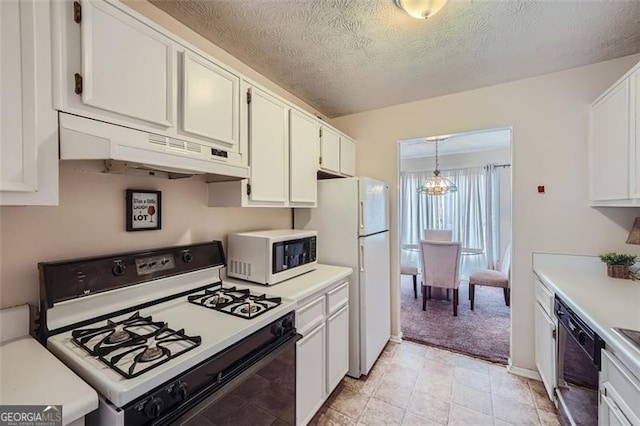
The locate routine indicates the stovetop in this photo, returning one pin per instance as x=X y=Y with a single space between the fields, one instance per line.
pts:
x=632 y=336
x=235 y=301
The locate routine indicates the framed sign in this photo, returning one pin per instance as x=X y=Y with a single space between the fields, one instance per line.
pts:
x=144 y=210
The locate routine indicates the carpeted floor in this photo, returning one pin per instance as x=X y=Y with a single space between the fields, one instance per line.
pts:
x=483 y=332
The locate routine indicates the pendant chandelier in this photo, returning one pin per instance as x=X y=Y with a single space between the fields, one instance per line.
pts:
x=436 y=184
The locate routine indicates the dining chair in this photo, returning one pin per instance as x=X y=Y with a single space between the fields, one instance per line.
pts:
x=438 y=234
x=440 y=268
x=406 y=269
x=492 y=278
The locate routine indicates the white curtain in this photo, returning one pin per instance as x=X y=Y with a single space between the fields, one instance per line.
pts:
x=470 y=213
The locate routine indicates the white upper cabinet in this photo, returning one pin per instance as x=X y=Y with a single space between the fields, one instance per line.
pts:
x=303 y=157
x=268 y=147
x=28 y=122
x=330 y=150
x=210 y=100
x=614 y=154
x=347 y=156
x=127 y=67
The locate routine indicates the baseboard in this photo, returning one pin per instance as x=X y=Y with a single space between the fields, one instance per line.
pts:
x=396 y=339
x=524 y=372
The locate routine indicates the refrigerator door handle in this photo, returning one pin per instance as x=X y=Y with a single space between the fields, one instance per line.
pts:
x=361 y=214
x=361 y=257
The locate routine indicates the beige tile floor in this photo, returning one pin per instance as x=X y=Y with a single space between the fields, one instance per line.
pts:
x=412 y=384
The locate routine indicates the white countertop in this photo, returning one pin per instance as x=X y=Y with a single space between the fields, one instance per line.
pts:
x=300 y=287
x=29 y=374
x=602 y=302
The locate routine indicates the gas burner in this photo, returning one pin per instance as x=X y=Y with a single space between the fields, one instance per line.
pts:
x=151 y=354
x=233 y=301
x=118 y=337
x=124 y=345
x=249 y=308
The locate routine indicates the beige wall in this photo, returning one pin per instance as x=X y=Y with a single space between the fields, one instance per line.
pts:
x=90 y=220
x=550 y=130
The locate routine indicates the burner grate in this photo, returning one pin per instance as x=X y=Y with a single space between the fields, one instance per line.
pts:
x=237 y=302
x=134 y=345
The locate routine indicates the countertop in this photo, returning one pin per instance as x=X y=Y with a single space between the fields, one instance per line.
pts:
x=300 y=287
x=602 y=302
x=29 y=374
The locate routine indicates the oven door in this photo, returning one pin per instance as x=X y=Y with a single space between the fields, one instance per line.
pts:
x=577 y=380
x=263 y=393
x=291 y=254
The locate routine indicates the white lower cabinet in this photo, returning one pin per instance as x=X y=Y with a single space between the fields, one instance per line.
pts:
x=337 y=347
x=322 y=357
x=545 y=338
x=310 y=374
x=619 y=402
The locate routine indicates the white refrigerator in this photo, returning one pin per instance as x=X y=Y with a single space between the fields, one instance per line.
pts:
x=352 y=220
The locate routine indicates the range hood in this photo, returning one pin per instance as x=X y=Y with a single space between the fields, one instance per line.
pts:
x=124 y=149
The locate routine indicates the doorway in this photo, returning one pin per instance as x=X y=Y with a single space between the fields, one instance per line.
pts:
x=476 y=213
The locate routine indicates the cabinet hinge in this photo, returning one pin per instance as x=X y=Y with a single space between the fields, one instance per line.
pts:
x=320 y=131
x=248 y=97
x=321 y=159
x=77 y=12
x=78 y=83
x=248 y=189
x=553 y=335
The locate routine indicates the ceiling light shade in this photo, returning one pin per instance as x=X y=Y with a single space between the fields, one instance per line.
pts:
x=420 y=9
x=436 y=184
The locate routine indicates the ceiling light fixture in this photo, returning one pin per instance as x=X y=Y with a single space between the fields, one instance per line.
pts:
x=420 y=9
x=436 y=184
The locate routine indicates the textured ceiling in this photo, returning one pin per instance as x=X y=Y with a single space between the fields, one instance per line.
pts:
x=346 y=56
x=460 y=143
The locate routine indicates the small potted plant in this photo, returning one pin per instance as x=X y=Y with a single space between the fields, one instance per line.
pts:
x=618 y=264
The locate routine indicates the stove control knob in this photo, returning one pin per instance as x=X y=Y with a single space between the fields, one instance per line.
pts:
x=287 y=323
x=277 y=330
x=154 y=407
x=180 y=391
x=582 y=337
x=118 y=269
x=187 y=257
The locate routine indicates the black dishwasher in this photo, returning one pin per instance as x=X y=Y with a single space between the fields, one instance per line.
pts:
x=578 y=366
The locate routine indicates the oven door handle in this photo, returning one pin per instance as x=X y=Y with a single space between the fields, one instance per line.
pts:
x=185 y=412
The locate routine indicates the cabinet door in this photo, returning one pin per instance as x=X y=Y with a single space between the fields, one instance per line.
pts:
x=609 y=175
x=347 y=156
x=268 y=148
x=210 y=97
x=545 y=349
x=337 y=347
x=310 y=374
x=303 y=160
x=28 y=122
x=330 y=150
x=609 y=413
x=127 y=67
x=635 y=133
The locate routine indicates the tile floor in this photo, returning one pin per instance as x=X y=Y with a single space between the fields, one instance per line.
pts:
x=412 y=384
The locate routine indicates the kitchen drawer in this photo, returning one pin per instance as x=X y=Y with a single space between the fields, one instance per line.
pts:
x=338 y=297
x=544 y=296
x=626 y=387
x=310 y=315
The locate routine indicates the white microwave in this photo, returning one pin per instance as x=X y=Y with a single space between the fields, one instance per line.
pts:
x=269 y=257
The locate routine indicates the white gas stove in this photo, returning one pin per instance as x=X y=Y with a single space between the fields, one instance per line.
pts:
x=156 y=333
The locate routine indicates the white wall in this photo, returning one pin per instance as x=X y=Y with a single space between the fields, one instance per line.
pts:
x=458 y=161
x=549 y=118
